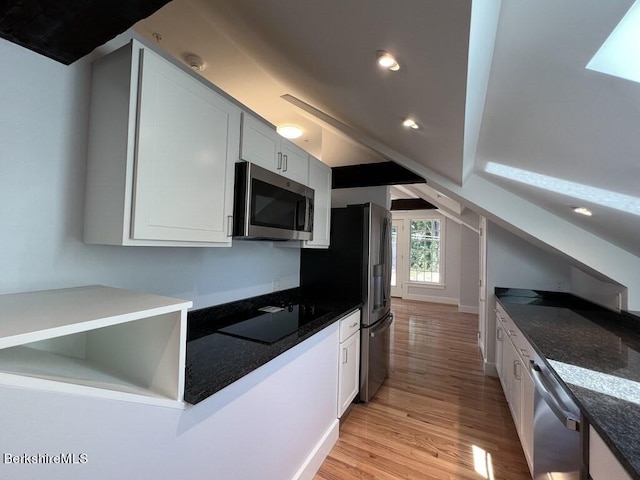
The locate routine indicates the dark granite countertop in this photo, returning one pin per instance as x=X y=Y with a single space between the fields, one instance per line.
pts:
x=215 y=360
x=596 y=353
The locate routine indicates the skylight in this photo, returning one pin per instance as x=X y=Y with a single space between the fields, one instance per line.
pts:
x=607 y=198
x=619 y=55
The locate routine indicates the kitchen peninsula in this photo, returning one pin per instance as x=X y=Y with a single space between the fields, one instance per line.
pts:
x=275 y=402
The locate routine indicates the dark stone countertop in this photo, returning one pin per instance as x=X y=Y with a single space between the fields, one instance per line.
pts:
x=215 y=360
x=596 y=353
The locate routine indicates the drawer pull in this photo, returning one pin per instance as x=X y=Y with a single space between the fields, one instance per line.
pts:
x=353 y=325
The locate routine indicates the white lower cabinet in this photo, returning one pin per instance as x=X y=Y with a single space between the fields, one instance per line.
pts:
x=603 y=465
x=162 y=149
x=513 y=355
x=349 y=366
x=500 y=339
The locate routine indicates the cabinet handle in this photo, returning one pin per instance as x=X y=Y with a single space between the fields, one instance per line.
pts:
x=285 y=163
x=279 y=160
x=498 y=334
x=523 y=352
x=229 y=225
x=516 y=363
x=345 y=352
x=353 y=325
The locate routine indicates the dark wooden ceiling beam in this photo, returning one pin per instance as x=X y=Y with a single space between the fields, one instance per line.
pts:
x=373 y=175
x=411 y=204
x=66 y=30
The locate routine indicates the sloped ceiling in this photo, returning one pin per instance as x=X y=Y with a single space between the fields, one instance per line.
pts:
x=323 y=52
x=543 y=111
x=547 y=114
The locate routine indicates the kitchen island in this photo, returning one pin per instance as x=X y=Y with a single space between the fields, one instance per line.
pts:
x=595 y=353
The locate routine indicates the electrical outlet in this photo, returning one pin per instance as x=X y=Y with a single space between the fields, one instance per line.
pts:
x=559 y=285
x=275 y=284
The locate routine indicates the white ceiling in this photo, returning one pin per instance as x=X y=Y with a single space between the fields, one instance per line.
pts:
x=544 y=111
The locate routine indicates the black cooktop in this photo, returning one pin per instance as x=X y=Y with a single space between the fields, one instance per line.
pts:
x=266 y=327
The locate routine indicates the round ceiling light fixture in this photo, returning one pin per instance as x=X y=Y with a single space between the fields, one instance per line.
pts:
x=388 y=61
x=410 y=123
x=194 y=62
x=290 y=131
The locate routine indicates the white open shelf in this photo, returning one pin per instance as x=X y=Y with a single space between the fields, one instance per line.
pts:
x=97 y=341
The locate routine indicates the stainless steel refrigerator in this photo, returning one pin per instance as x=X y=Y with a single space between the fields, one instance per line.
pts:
x=357 y=267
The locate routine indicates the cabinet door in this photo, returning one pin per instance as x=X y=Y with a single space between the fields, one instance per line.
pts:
x=515 y=384
x=188 y=138
x=320 y=181
x=260 y=144
x=295 y=162
x=507 y=359
x=500 y=339
x=603 y=465
x=349 y=372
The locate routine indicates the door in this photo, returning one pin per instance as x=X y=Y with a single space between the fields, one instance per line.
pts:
x=260 y=144
x=187 y=145
x=397 y=262
x=500 y=335
x=483 y=340
x=295 y=162
x=379 y=264
x=375 y=351
x=320 y=181
x=348 y=372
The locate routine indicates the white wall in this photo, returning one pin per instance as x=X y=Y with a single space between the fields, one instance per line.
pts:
x=43 y=143
x=607 y=294
x=341 y=197
x=469 y=270
x=513 y=262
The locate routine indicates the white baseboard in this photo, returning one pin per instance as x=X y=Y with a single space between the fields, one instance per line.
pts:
x=490 y=369
x=312 y=464
x=431 y=299
x=468 y=309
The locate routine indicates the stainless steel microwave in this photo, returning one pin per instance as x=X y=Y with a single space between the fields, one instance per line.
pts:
x=269 y=206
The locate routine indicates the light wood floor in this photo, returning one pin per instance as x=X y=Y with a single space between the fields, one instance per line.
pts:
x=437 y=416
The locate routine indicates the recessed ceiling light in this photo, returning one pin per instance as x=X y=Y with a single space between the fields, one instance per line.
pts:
x=582 y=211
x=410 y=123
x=388 y=61
x=290 y=131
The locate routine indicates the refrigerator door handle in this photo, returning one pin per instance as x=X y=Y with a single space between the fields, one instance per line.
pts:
x=382 y=326
x=384 y=245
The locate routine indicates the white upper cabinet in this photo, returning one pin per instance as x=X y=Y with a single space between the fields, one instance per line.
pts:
x=263 y=146
x=162 y=150
x=320 y=181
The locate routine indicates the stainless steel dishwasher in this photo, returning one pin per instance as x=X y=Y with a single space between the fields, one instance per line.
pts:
x=556 y=429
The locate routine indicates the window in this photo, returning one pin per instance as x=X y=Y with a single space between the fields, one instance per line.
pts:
x=425 y=251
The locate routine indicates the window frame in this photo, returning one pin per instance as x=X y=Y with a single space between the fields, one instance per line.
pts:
x=407 y=217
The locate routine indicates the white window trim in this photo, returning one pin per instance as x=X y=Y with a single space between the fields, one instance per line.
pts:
x=406 y=217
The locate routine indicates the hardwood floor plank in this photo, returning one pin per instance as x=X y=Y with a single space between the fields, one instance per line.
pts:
x=437 y=416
